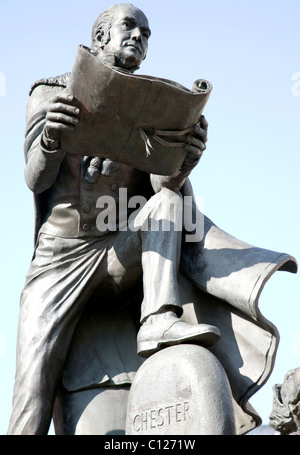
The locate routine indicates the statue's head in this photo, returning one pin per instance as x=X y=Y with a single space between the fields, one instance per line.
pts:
x=120 y=36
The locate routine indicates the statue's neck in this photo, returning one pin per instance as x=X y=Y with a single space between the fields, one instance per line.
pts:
x=112 y=60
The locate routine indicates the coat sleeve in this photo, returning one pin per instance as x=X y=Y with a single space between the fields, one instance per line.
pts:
x=42 y=166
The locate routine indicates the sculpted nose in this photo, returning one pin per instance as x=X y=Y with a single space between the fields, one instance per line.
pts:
x=136 y=34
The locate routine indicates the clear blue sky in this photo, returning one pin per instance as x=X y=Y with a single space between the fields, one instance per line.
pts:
x=249 y=174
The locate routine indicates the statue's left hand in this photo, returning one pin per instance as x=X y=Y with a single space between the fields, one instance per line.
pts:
x=195 y=144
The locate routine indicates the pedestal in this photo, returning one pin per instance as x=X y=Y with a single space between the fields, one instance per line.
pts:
x=181 y=390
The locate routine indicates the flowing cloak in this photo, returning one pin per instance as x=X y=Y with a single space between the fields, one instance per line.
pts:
x=221 y=279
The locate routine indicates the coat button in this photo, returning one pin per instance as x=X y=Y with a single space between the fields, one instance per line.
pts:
x=86 y=208
x=114 y=186
x=86 y=227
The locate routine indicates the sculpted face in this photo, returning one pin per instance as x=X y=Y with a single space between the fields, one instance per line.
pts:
x=129 y=34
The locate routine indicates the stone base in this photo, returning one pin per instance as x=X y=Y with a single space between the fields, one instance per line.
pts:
x=99 y=411
x=181 y=390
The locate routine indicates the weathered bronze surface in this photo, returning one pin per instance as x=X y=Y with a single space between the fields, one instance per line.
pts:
x=124 y=264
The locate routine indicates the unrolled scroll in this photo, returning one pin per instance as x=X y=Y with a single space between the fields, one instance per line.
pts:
x=133 y=119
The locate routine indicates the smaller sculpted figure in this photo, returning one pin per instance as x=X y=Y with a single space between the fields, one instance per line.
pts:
x=285 y=416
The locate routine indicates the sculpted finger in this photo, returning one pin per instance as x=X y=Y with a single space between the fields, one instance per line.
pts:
x=58 y=117
x=192 y=158
x=200 y=132
x=198 y=143
x=56 y=127
x=63 y=108
x=194 y=152
x=203 y=122
x=65 y=98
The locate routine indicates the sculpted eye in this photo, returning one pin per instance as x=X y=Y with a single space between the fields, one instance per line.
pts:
x=126 y=24
x=145 y=34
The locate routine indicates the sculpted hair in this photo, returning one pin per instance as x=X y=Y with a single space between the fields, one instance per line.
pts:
x=103 y=23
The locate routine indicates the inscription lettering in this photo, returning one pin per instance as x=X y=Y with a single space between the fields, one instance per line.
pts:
x=155 y=418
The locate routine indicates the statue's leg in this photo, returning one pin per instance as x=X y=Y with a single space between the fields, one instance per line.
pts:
x=160 y=223
x=61 y=277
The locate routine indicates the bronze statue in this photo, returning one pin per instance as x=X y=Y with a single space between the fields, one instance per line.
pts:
x=69 y=222
x=81 y=275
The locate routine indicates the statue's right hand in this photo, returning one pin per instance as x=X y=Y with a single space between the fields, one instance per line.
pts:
x=62 y=115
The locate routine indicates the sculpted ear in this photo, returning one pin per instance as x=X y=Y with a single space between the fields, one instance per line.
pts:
x=103 y=37
x=99 y=37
